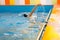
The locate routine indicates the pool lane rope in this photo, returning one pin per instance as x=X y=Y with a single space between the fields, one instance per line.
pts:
x=40 y=34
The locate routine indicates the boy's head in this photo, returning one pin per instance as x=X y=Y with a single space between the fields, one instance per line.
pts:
x=25 y=15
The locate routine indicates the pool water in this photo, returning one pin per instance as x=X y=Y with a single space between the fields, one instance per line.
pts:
x=14 y=26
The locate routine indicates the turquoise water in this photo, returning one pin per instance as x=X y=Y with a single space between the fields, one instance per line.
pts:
x=14 y=26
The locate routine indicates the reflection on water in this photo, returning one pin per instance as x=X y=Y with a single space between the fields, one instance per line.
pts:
x=13 y=26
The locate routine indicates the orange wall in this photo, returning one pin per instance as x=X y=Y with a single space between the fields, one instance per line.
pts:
x=7 y=2
x=27 y=2
x=58 y=2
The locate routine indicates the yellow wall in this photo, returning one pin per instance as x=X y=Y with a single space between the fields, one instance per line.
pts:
x=12 y=2
x=32 y=2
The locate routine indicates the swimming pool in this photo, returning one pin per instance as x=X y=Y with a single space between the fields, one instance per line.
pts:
x=14 y=26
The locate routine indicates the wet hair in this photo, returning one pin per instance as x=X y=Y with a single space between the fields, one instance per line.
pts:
x=25 y=15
